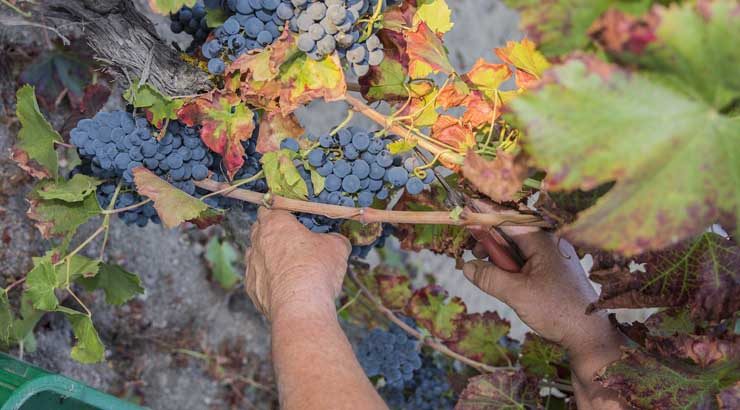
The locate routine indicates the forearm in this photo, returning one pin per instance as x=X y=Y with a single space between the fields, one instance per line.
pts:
x=314 y=362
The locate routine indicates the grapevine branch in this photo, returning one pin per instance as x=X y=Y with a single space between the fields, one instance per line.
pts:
x=444 y=154
x=431 y=342
x=370 y=215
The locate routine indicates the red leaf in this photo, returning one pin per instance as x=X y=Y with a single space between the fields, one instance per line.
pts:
x=226 y=123
x=426 y=52
x=499 y=179
x=275 y=127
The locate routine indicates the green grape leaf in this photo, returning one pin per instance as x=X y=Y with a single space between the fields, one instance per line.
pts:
x=89 y=348
x=221 y=257
x=434 y=13
x=216 y=17
x=650 y=381
x=430 y=307
x=670 y=322
x=479 y=336
x=426 y=52
x=285 y=78
x=675 y=158
x=6 y=318
x=318 y=182
x=36 y=137
x=118 y=284
x=74 y=267
x=169 y=6
x=394 y=290
x=173 y=206
x=541 y=357
x=275 y=127
x=56 y=217
x=29 y=317
x=402 y=145
x=226 y=123
x=688 y=48
x=385 y=82
x=282 y=175
x=71 y=190
x=500 y=390
x=41 y=282
x=160 y=107
x=703 y=272
x=561 y=26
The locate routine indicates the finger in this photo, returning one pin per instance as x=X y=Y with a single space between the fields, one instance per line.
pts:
x=262 y=212
x=532 y=242
x=480 y=251
x=493 y=280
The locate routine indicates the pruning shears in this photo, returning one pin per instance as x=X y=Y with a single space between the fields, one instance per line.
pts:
x=502 y=250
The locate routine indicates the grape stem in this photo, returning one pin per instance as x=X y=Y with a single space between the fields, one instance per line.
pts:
x=370 y=215
x=14 y=284
x=16 y=8
x=429 y=341
x=366 y=110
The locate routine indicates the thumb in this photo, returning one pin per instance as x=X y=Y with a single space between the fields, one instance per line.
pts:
x=341 y=239
x=493 y=280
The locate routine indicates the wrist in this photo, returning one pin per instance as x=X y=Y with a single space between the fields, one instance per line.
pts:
x=600 y=346
x=303 y=302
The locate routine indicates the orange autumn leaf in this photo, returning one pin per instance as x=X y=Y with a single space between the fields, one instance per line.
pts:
x=453 y=94
x=480 y=111
x=451 y=131
x=529 y=62
x=488 y=77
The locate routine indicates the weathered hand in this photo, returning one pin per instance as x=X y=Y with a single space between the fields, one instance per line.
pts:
x=550 y=294
x=289 y=266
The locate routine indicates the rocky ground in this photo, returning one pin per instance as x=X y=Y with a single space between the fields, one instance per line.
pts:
x=186 y=343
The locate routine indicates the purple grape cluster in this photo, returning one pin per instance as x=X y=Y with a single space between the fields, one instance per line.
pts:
x=324 y=26
x=253 y=24
x=428 y=389
x=112 y=144
x=391 y=354
x=192 y=21
x=359 y=168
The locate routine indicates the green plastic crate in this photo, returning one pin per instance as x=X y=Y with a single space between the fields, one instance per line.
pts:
x=27 y=387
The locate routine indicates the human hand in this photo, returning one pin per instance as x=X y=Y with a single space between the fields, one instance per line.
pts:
x=292 y=268
x=550 y=294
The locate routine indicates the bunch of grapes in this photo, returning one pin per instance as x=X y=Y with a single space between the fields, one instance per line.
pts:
x=253 y=24
x=391 y=354
x=359 y=168
x=112 y=144
x=428 y=389
x=192 y=21
x=324 y=26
